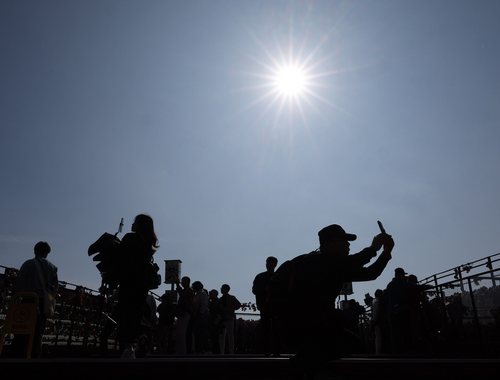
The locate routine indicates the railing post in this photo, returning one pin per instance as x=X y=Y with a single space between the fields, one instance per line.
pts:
x=461 y=280
x=474 y=310
x=490 y=267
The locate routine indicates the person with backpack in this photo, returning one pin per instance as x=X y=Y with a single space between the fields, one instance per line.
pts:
x=31 y=276
x=136 y=250
x=303 y=293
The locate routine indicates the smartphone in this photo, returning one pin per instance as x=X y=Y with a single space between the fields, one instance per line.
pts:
x=381 y=226
x=120 y=226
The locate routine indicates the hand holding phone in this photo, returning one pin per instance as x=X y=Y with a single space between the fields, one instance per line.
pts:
x=381 y=227
x=120 y=227
x=388 y=243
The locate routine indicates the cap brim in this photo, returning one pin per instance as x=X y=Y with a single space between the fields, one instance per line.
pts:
x=350 y=237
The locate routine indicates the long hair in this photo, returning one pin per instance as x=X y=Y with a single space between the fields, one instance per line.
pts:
x=146 y=229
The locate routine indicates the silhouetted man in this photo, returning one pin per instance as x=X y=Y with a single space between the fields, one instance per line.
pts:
x=28 y=280
x=268 y=321
x=399 y=310
x=230 y=304
x=309 y=321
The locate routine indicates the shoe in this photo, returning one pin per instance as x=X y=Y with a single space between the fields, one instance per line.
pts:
x=128 y=354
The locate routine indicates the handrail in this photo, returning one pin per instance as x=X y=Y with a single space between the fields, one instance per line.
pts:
x=472 y=276
x=456 y=271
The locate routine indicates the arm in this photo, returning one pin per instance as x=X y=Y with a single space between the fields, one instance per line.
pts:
x=363 y=257
x=20 y=281
x=255 y=285
x=236 y=303
x=373 y=271
x=54 y=280
x=260 y=284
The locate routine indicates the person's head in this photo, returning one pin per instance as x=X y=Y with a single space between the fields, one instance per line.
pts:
x=412 y=279
x=334 y=240
x=213 y=294
x=42 y=249
x=185 y=282
x=399 y=273
x=197 y=286
x=165 y=297
x=224 y=289
x=143 y=224
x=271 y=263
x=378 y=293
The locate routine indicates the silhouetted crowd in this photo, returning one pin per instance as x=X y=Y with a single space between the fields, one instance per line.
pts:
x=296 y=302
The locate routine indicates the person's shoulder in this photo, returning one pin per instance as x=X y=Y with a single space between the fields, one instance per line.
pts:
x=52 y=265
x=317 y=259
x=29 y=262
x=27 y=265
x=131 y=236
x=261 y=275
x=132 y=239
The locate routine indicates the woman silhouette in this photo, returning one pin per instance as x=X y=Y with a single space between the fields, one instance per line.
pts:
x=136 y=249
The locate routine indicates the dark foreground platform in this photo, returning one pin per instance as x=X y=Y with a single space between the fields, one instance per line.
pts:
x=245 y=368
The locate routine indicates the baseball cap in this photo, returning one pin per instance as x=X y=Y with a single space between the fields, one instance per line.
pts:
x=333 y=231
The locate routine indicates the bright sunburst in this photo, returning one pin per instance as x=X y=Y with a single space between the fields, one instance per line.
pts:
x=291 y=78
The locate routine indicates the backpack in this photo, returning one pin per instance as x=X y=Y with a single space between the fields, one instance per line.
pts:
x=108 y=247
x=284 y=285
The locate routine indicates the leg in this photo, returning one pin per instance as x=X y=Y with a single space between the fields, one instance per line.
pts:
x=230 y=336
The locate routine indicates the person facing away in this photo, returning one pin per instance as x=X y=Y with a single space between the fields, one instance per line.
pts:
x=136 y=250
x=399 y=310
x=313 y=326
x=268 y=320
x=28 y=280
x=230 y=305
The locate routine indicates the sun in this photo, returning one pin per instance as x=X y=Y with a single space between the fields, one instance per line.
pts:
x=290 y=81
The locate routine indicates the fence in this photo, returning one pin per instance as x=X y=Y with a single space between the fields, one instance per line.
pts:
x=465 y=305
x=467 y=298
x=81 y=313
x=78 y=318
x=473 y=297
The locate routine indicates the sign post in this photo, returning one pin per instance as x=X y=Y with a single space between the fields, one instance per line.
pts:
x=172 y=273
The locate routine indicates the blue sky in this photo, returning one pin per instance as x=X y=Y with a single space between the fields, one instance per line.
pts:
x=109 y=109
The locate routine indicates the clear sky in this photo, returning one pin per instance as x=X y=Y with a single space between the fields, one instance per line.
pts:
x=109 y=109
